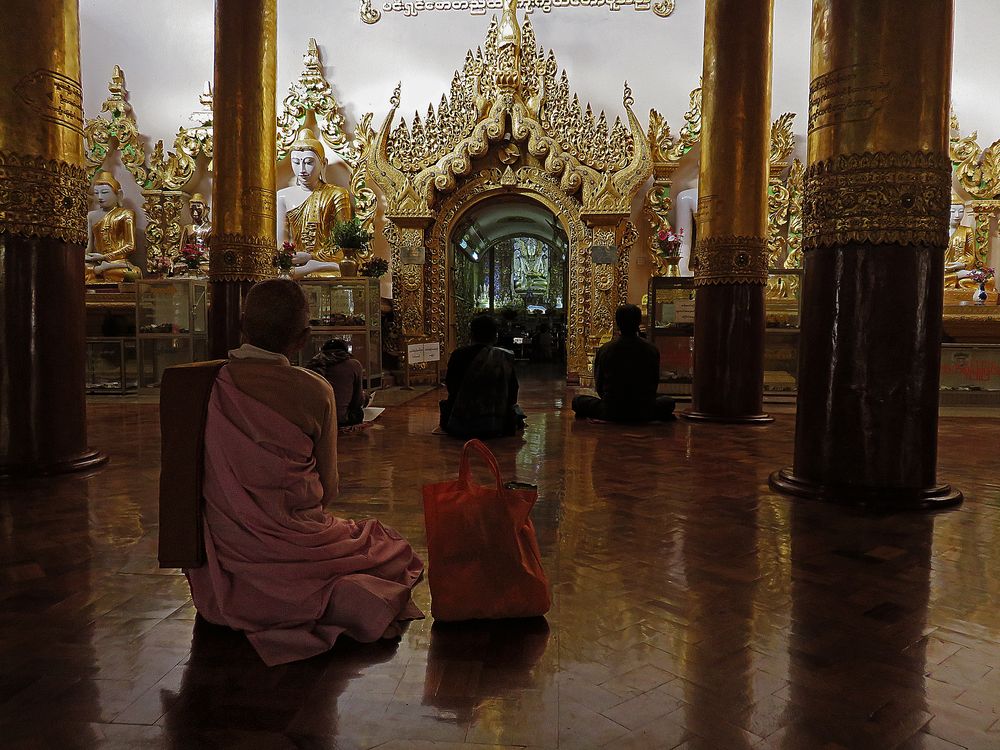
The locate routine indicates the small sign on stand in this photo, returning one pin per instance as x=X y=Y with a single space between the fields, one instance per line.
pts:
x=422 y=351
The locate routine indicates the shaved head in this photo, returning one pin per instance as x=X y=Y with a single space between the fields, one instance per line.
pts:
x=276 y=316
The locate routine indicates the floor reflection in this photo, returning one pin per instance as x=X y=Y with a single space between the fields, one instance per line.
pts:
x=692 y=606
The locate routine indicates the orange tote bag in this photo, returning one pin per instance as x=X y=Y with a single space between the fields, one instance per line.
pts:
x=483 y=560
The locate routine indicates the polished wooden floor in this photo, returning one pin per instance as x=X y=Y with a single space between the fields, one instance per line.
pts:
x=693 y=607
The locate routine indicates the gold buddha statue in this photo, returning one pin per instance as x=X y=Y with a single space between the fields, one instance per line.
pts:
x=309 y=209
x=960 y=260
x=197 y=232
x=110 y=234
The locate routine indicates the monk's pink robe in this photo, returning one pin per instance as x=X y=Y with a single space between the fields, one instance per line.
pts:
x=278 y=566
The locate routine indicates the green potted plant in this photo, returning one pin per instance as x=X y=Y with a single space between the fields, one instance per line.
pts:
x=352 y=238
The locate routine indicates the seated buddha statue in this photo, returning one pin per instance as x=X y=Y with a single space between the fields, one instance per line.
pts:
x=197 y=232
x=110 y=234
x=309 y=209
x=960 y=259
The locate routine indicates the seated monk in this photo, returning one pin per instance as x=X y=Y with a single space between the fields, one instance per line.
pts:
x=276 y=565
x=482 y=387
x=626 y=375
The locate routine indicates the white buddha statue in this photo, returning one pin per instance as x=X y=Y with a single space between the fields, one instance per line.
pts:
x=686 y=212
x=309 y=209
x=110 y=234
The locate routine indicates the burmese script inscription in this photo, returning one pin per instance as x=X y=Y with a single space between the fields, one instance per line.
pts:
x=372 y=10
x=848 y=94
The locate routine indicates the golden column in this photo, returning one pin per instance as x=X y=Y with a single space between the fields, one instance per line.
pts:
x=43 y=230
x=877 y=193
x=243 y=201
x=730 y=257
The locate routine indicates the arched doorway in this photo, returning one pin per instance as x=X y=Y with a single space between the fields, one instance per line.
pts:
x=510 y=128
x=508 y=257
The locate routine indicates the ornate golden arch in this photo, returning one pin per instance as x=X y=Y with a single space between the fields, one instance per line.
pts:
x=510 y=125
x=534 y=185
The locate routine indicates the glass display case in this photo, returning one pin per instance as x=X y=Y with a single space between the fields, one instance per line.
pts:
x=112 y=365
x=781 y=333
x=171 y=325
x=670 y=328
x=348 y=309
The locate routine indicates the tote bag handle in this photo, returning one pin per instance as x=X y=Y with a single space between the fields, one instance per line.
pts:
x=487 y=454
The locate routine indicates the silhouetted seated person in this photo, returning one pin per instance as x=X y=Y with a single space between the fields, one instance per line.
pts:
x=626 y=374
x=482 y=387
x=277 y=566
x=346 y=375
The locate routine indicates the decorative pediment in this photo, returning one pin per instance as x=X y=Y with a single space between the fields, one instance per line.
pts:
x=103 y=135
x=509 y=93
x=173 y=170
x=977 y=169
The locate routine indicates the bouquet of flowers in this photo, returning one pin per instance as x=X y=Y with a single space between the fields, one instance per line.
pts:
x=162 y=265
x=374 y=267
x=192 y=256
x=669 y=241
x=284 y=260
x=981 y=273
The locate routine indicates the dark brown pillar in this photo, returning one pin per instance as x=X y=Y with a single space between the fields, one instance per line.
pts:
x=730 y=257
x=243 y=244
x=877 y=195
x=43 y=230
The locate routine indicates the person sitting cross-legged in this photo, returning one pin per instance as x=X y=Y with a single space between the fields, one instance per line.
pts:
x=626 y=374
x=482 y=387
x=277 y=565
x=335 y=363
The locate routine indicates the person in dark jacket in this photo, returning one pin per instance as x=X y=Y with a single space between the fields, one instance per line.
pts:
x=482 y=387
x=626 y=374
x=345 y=374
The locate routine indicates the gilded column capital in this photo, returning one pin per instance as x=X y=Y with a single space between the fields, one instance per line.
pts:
x=730 y=260
x=879 y=197
x=241 y=257
x=43 y=198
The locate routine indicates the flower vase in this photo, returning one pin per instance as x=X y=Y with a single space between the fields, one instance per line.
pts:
x=348 y=267
x=980 y=296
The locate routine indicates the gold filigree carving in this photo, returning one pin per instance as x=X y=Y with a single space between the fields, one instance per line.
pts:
x=730 y=260
x=42 y=198
x=782 y=141
x=175 y=169
x=508 y=91
x=779 y=203
x=977 y=169
x=163 y=228
x=119 y=132
x=878 y=198
x=241 y=257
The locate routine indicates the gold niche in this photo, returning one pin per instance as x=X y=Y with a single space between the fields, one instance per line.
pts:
x=510 y=125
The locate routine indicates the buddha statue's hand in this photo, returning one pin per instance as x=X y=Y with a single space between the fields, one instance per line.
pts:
x=108 y=265
x=93 y=257
x=301 y=258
